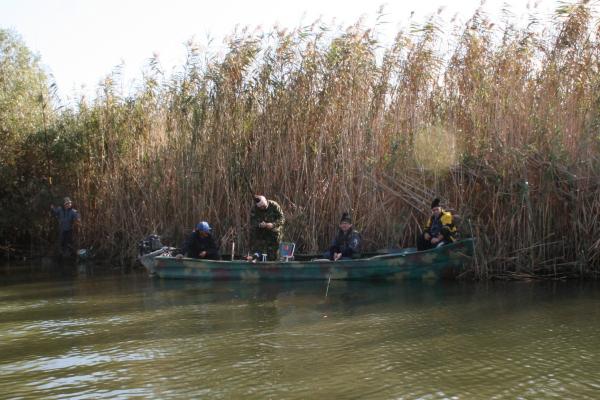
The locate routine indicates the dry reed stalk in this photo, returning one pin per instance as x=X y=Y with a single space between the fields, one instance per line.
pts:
x=321 y=123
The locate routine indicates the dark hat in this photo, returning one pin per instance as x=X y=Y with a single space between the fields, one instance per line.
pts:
x=346 y=218
x=435 y=203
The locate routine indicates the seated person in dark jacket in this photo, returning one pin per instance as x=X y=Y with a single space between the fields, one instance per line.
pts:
x=201 y=244
x=346 y=243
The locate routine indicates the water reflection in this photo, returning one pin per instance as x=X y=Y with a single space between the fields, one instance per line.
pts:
x=102 y=336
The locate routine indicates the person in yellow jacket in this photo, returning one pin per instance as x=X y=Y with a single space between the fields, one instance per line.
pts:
x=439 y=229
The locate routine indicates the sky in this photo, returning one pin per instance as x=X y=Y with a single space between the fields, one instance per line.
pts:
x=82 y=41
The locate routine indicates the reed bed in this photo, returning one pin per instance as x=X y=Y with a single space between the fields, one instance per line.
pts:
x=502 y=125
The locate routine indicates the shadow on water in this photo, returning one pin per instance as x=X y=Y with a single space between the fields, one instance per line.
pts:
x=91 y=280
x=507 y=294
x=451 y=303
x=104 y=292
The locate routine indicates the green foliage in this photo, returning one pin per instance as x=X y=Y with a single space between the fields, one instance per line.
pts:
x=24 y=94
x=25 y=111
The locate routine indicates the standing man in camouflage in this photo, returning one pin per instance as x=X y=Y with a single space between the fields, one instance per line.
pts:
x=67 y=217
x=266 y=227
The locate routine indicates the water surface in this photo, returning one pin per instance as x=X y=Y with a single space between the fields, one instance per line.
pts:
x=128 y=336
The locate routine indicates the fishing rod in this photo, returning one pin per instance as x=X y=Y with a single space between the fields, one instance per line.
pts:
x=247 y=186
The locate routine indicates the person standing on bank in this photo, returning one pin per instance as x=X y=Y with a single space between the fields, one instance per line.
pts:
x=266 y=227
x=201 y=244
x=439 y=229
x=68 y=218
x=346 y=243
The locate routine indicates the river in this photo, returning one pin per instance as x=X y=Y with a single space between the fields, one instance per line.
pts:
x=112 y=335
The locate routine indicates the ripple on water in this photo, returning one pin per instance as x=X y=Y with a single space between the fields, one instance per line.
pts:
x=375 y=342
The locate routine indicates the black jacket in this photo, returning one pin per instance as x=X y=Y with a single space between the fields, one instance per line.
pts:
x=195 y=244
x=347 y=243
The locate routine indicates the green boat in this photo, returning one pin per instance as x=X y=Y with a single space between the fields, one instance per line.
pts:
x=444 y=262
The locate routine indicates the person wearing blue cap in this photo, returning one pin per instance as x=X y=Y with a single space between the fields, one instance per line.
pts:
x=201 y=243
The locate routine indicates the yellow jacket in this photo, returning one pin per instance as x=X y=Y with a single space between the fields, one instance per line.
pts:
x=448 y=227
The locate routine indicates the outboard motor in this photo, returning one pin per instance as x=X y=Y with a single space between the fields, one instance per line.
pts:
x=149 y=244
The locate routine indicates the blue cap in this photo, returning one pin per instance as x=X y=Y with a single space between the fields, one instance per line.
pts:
x=203 y=227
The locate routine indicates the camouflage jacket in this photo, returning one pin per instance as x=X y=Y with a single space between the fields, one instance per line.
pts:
x=272 y=214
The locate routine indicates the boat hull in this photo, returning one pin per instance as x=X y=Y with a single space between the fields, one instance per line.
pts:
x=441 y=263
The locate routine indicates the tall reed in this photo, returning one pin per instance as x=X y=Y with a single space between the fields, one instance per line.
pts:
x=503 y=126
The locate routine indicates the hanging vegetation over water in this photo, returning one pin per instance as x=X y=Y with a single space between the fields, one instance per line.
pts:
x=504 y=125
